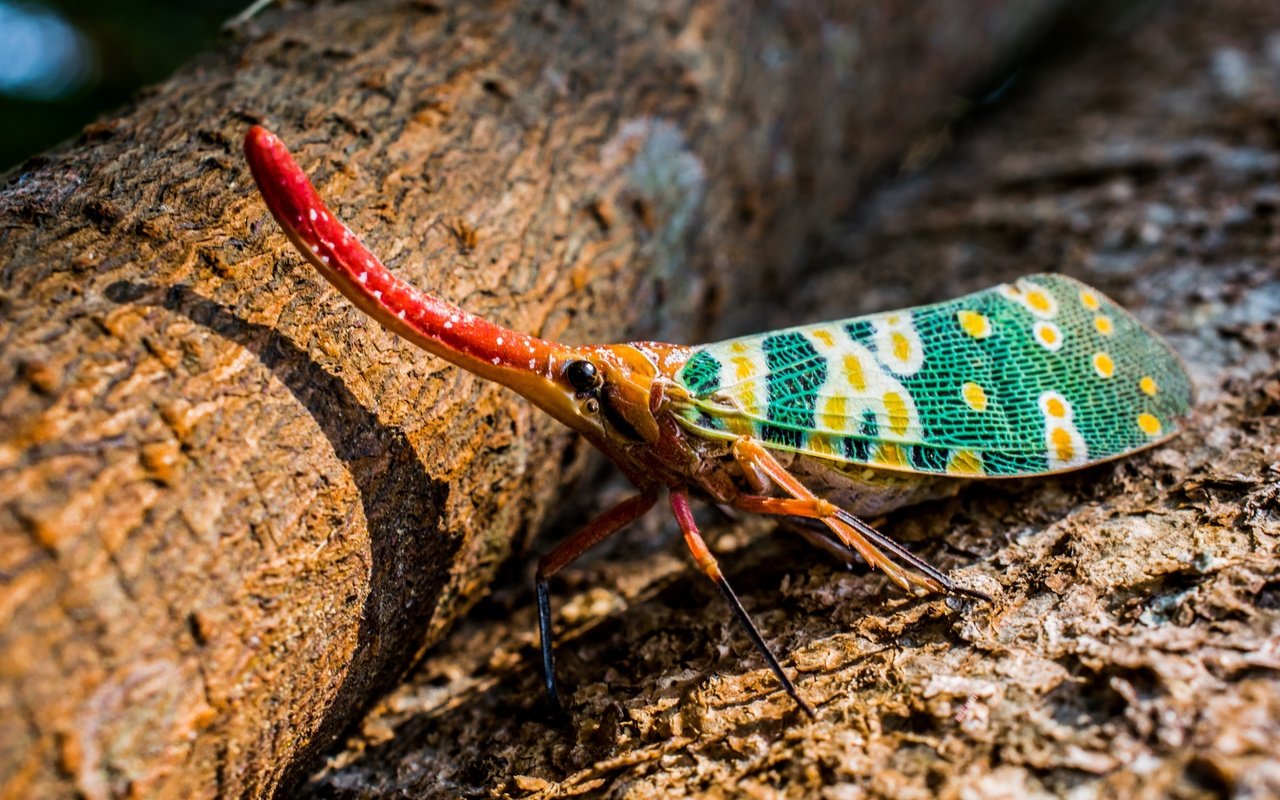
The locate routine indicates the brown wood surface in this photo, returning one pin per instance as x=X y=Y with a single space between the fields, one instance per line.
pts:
x=232 y=511
x=1133 y=650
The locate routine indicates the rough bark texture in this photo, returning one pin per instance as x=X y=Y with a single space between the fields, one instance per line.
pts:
x=231 y=509
x=1134 y=648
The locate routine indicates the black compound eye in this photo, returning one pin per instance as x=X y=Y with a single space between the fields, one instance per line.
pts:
x=582 y=375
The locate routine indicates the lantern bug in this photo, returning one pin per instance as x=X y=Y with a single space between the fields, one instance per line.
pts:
x=826 y=423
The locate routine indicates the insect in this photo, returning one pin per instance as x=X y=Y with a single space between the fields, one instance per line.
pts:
x=826 y=423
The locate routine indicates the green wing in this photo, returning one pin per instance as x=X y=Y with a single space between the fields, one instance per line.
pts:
x=1041 y=375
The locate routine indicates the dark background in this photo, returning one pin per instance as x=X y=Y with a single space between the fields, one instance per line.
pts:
x=64 y=64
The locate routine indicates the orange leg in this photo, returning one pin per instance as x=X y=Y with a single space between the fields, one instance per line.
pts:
x=853 y=532
x=711 y=568
x=566 y=553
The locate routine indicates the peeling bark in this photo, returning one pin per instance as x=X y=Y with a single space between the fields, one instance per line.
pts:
x=1134 y=647
x=231 y=510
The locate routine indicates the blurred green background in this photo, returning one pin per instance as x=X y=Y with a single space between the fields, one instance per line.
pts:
x=64 y=64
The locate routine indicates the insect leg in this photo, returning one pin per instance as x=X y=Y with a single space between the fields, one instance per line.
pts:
x=711 y=568
x=566 y=553
x=821 y=537
x=856 y=534
x=910 y=559
x=826 y=513
x=804 y=511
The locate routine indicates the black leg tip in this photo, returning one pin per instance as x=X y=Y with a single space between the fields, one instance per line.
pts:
x=794 y=694
x=807 y=709
x=557 y=717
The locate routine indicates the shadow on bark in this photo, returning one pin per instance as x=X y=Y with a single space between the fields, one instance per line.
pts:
x=401 y=502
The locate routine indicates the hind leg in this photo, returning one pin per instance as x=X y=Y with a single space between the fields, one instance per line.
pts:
x=878 y=550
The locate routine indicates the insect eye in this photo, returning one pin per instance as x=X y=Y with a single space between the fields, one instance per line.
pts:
x=582 y=375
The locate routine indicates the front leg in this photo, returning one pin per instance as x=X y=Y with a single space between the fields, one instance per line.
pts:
x=565 y=554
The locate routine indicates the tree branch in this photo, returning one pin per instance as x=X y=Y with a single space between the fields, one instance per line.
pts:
x=231 y=509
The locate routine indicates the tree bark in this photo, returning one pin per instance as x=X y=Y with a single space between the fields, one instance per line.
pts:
x=1133 y=649
x=231 y=510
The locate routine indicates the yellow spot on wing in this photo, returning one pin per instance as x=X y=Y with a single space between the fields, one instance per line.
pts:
x=738 y=347
x=824 y=336
x=1064 y=445
x=889 y=454
x=1048 y=335
x=853 y=373
x=1060 y=440
x=1149 y=424
x=1104 y=325
x=1103 y=365
x=974 y=396
x=1089 y=300
x=1036 y=299
x=974 y=324
x=1055 y=406
x=965 y=462
x=834 y=414
x=822 y=443
x=1148 y=385
x=897 y=409
x=1039 y=301
x=743 y=367
x=901 y=347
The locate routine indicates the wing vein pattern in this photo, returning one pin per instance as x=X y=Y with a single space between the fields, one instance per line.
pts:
x=1041 y=375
